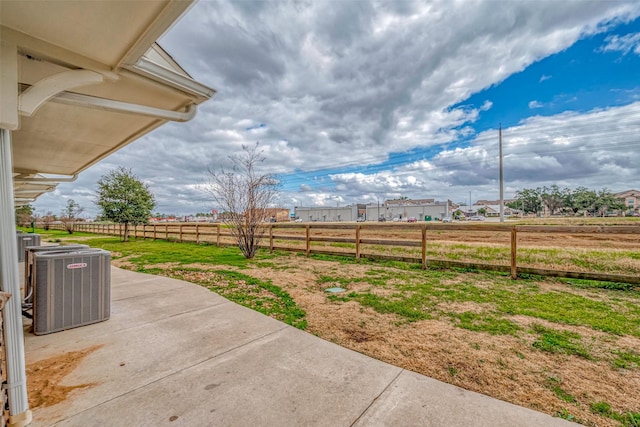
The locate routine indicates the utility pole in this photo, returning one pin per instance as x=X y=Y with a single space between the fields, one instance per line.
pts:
x=501 y=177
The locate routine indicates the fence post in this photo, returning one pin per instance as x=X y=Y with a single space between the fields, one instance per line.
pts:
x=197 y=235
x=270 y=238
x=358 y=241
x=166 y=232
x=514 y=241
x=180 y=232
x=308 y=241
x=424 y=246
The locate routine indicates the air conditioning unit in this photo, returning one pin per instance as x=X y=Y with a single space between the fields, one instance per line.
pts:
x=71 y=289
x=29 y=266
x=24 y=240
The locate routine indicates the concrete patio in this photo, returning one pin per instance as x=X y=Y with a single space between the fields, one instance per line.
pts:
x=175 y=354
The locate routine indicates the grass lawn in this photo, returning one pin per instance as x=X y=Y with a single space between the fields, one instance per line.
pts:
x=565 y=347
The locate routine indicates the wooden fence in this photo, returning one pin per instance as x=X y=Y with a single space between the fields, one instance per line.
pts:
x=358 y=239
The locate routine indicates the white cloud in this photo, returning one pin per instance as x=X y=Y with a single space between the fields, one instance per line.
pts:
x=565 y=149
x=535 y=104
x=625 y=44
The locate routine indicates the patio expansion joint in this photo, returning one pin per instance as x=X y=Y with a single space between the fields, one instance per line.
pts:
x=163 y=291
x=375 y=399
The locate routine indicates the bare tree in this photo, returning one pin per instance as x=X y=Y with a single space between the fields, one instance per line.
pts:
x=246 y=196
x=48 y=219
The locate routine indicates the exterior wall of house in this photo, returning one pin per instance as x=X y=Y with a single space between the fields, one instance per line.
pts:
x=631 y=199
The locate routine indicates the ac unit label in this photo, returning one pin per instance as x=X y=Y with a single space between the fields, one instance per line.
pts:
x=76 y=265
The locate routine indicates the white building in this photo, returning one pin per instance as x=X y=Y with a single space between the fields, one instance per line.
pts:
x=326 y=214
x=410 y=209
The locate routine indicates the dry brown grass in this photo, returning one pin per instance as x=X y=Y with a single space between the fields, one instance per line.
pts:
x=507 y=367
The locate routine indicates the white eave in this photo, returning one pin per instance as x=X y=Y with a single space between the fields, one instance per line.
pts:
x=91 y=79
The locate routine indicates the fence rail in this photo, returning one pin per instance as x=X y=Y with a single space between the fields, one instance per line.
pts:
x=361 y=240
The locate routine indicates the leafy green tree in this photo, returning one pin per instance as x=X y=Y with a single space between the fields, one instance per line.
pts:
x=607 y=202
x=529 y=200
x=552 y=198
x=24 y=215
x=583 y=200
x=70 y=215
x=124 y=199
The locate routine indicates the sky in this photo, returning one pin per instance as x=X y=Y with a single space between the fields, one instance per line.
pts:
x=362 y=101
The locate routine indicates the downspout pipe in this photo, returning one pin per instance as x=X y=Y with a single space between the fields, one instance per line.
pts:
x=19 y=413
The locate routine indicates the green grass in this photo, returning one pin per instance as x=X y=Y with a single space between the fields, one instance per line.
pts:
x=626 y=360
x=564 y=342
x=593 y=284
x=564 y=414
x=259 y=295
x=486 y=323
x=146 y=252
x=553 y=384
x=53 y=234
x=419 y=292
x=628 y=419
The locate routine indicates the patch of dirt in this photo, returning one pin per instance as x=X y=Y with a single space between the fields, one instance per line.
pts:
x=45 y=378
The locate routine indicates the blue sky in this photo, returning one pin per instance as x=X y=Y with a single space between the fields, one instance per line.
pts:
x=370 y=100
x=580 y=78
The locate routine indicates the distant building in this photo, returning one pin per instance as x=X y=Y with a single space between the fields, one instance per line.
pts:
x=278 y=214
x=326 y=213
x=493 y=202
x=403 y=209
x=631 y=199
x=491 y=210
x=408 y=202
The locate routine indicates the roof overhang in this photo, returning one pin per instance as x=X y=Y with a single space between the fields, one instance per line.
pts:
x=82 y=79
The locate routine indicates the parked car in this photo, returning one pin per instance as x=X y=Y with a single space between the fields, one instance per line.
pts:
x=396 y=219
x=412 y=219
x=447 y=219
x=360 y=219
x=381 y=219
x=477 y=218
